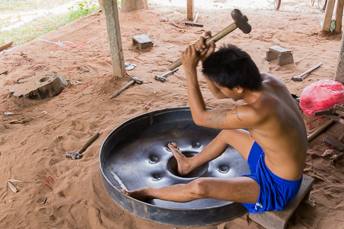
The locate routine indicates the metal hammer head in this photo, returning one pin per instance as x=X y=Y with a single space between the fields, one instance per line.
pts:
x=73 y=155
x=137 y=80
x=241 y=21
x=160 y=78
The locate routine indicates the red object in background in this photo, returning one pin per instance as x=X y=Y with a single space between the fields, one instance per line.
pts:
x=321 y=95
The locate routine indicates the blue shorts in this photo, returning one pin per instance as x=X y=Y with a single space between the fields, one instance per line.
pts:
x=275 y=192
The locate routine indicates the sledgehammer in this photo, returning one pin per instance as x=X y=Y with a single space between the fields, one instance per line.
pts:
x=240 y=21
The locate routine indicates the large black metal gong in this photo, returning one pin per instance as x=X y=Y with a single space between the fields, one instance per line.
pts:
x=136 y=154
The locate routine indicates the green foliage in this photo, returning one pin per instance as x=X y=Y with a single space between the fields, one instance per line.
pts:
x=83 y=8
x=43 y=25
x=33 y=29
x=16 y=5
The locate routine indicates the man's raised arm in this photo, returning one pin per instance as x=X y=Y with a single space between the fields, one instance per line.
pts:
x=238 y=117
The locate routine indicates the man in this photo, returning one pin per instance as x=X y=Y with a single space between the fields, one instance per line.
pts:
x=274 y=144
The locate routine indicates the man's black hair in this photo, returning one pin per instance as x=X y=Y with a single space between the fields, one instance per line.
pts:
x=232 y=67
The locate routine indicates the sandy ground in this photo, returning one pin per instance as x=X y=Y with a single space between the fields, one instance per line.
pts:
x=60 y=193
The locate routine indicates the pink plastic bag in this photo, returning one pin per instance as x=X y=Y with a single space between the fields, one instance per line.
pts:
x=321 y=95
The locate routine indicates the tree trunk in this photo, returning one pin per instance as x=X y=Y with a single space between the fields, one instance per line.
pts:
x=130 y=5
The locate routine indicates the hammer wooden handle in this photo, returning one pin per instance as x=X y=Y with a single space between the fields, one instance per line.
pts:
x=89 y=142
x=302 y=76
x=126 y=86
x=214 y=38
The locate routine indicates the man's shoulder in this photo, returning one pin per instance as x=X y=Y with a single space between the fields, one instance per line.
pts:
x=272 y=80
x=256 y=112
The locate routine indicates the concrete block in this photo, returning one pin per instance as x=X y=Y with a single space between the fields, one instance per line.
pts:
x=142 y=41
x=284 y=56
x=279 y=219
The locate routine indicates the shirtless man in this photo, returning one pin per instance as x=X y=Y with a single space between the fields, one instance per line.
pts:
x=274 y=144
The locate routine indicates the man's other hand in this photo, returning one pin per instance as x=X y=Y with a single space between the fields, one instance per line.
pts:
x=202 y=48
x=190 y=59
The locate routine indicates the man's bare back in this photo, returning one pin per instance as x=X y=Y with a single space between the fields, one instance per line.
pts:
x=282 y=134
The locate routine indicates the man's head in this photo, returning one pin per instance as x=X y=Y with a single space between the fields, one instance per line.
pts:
x=232 y=71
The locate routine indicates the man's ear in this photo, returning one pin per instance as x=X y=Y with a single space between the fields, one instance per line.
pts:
x=238 y=90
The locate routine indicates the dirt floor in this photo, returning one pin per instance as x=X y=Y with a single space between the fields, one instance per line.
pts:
x=60 y=193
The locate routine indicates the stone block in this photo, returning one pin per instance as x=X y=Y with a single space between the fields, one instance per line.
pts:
x=142 y=41
x=284 y=56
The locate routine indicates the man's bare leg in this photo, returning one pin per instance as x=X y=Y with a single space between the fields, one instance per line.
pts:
x=239 y=139
x=240 y=189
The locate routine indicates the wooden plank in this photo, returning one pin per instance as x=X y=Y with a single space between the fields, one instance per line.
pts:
x=114 y=35
x=328 y=15
x=279 y=219
x=190 y=10
x=130 y=5
x=339 y=15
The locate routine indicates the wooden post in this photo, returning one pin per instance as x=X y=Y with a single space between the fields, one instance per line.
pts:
x=130 y=5
x=114 y=34
x=340 y=66
x=190 y=10
x=328 y=15
x=339 y=15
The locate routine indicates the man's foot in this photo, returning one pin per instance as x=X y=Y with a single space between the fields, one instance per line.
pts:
x=183 y=162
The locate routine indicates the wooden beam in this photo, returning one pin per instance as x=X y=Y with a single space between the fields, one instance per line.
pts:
x=130 y=5
x=339 y=15
x=190 y=10
x=328 y=15
x=114 y=34
x=340 y=64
